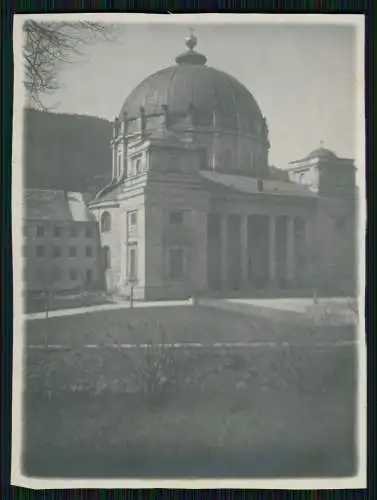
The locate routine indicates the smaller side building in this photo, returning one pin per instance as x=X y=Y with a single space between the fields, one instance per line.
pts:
x=61 y=245
x=334 y=252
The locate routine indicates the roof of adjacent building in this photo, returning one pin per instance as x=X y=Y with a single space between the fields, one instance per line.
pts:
x=206 y=91
x=109 y=193
x=238 y=183
x=322 y=153
x=249 y=185
x=57 y=205
x=318 y=153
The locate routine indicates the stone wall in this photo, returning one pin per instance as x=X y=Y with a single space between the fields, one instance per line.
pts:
x=190 y=236
x=337 y=244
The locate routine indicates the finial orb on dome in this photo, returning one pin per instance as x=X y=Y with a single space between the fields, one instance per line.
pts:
x=191 y=40
x=190 y=56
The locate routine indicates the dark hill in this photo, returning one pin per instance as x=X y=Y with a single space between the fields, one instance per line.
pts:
x=70 y=152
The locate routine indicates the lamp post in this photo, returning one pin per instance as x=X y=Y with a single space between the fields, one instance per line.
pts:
x=131 y=281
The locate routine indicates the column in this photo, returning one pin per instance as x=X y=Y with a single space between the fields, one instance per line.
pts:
x=199 y=263
x=214 y=142
x=114 y=158
x=272 y=250
x=244 y=251
x=290 y=249
x=123 y=252
x=224 y=252
x=307 y=250
x=124 y=158
x=312 y=250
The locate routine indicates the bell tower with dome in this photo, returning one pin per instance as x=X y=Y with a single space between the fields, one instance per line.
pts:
x=190 y=208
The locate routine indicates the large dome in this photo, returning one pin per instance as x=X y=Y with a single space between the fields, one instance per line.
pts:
x=191 y=84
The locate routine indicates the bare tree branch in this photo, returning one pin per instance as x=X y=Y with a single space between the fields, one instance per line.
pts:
x=51 y=45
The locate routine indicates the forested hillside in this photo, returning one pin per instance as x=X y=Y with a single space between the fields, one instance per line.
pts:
x=70 y=152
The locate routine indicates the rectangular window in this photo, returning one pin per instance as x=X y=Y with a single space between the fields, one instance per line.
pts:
x=57 y=231
x=176 y=218
x=73 y=274
x=56 y=274
x=132 y=219
x=56 y=251
x=176 y=263
x=88 y=252
x=299 y=224
x=40 y=251
x=88 y=232
x=74 y=231
x=72 y=251
x=40 y=275
x=132 y=270
x=40 y=231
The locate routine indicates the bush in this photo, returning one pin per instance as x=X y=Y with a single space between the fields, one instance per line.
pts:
x=153 y=368
x=157 y=372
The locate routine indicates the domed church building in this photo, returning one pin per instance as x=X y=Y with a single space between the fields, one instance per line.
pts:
x=191 y=209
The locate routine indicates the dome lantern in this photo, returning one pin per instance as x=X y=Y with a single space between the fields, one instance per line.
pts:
x=191 y=56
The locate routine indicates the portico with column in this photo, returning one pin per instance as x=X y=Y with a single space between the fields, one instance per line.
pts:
x=258 y=251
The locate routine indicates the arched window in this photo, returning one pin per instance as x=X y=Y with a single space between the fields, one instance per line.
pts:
x=106 y=255
x=105 y=222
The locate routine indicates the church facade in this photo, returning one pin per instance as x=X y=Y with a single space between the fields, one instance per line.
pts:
x=191 y=208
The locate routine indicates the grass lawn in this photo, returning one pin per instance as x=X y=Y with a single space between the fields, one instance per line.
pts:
x=178 y=324
x=286 y=411
x=292 y=416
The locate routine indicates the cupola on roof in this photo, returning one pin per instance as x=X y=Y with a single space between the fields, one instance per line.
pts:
x=210 y=95
x=322 y=153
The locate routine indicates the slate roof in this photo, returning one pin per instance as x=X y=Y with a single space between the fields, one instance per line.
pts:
x=56 y=205
x=249 y=185
x=238 y=183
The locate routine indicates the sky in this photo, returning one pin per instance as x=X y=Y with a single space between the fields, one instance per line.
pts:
x=302 y=76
